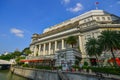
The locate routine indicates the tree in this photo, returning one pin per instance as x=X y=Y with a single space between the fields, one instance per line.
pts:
x=18 y=59
x=26 y=51
x=92 y=48
x=12 y=55
x=110 y=40
x=16 y=54
x=71 y=40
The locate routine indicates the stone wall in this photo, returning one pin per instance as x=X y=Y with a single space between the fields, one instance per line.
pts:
x=35 y=74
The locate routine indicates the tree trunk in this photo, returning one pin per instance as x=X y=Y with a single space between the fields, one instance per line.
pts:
x=72 y=45
x=114 y=61
x=97 y=60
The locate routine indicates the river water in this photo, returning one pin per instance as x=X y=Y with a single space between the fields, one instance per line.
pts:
x=7 y=75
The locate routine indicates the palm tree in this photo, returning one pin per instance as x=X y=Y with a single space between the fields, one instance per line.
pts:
x=71 y=40
x=92 y=47
x=110 y=40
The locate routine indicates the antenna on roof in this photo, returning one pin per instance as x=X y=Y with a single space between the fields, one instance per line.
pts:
x=96 y=5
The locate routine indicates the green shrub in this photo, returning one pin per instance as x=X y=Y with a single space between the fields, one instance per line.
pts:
x=25 y=65
x=85 y=64
x=59 y=67
x=76 y=67
x=44 y=67
x=108 y=70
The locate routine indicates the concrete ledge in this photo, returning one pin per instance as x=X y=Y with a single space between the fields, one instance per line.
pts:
x=37 y=74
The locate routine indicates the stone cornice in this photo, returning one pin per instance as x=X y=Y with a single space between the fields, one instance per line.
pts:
x=69 y=26
x=98 y=26
x=58 y=35
x=73 y=31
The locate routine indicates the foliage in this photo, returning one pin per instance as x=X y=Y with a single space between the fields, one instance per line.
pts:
x=76 y=66
x=26 y=51
x=71 y=40
x=9 y=56
x=107 y=70
x=15 y=55
x=76 y=62
x=44 y=67
x=19 y=58
x=110 y=40
x=25 y=65
x=85 y=64
x=60 y=67
x=6 y=57
x=92 y=47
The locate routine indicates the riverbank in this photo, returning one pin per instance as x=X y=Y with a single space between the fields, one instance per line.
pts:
x=7 y=75
x=37 y=74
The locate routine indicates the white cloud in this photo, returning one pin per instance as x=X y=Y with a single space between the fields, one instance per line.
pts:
x=66 y=1
x=17 y=32
x=77 y=8
x=118 y=2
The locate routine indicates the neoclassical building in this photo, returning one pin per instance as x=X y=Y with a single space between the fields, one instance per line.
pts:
x=84 y=26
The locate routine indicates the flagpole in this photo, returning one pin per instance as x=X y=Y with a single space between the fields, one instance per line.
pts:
x=96 y=5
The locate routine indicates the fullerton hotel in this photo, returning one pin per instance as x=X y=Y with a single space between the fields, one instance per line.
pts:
x=53 y=39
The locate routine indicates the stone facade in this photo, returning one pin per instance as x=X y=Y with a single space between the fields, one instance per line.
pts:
x=84 y=26
x=67 y=57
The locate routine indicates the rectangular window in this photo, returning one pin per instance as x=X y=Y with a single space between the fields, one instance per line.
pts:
x=103 y=18
x=98 y=18
x=109 y=18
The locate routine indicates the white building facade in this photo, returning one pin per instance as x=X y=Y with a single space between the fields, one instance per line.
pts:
x=84 y=26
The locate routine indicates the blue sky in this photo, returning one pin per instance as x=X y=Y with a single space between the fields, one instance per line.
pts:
x=19 y=19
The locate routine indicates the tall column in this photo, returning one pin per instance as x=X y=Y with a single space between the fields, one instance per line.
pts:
x=35 y=50
x=63 y=44
x=49 y=48
x=84 y=55
x=80 y=44
x=39 y=51
x=44 y=49
x=55 y=45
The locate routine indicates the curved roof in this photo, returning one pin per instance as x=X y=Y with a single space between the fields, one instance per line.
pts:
x=4 y=62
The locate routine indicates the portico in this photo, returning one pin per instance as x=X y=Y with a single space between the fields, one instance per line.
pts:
x=50 y=47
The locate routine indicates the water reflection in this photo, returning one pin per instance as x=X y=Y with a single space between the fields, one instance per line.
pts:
x=7 y=75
